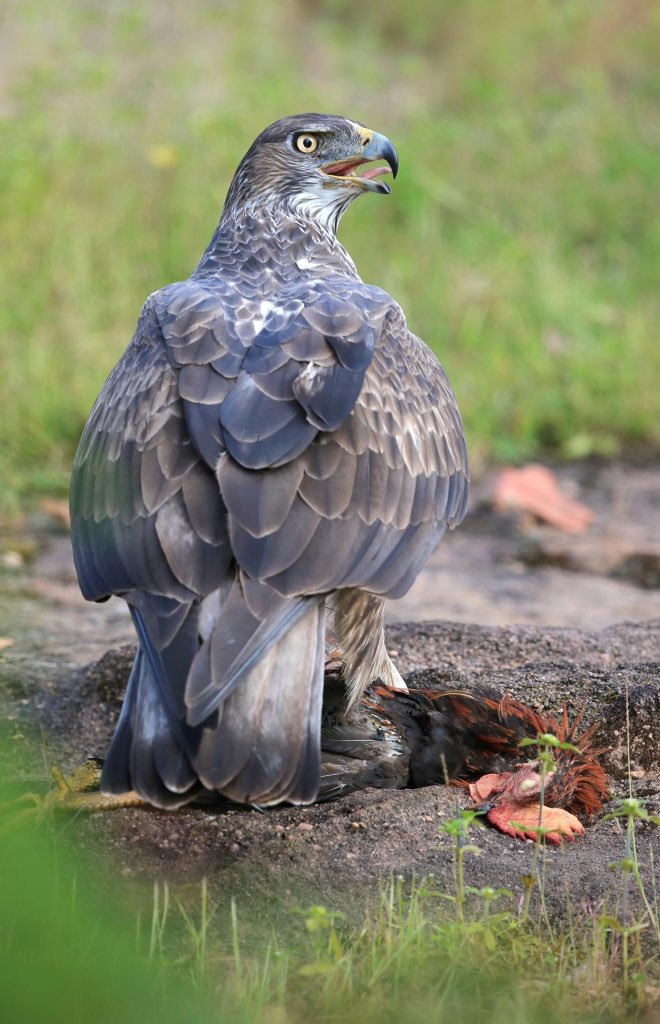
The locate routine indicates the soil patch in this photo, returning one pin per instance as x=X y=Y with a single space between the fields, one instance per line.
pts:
x=338 y=853
x=498 y=570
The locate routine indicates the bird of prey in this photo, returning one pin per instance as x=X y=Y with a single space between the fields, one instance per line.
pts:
x=274 y=442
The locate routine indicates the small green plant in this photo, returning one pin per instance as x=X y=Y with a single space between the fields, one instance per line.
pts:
x=545 y=743
x=632 y=811
x=159 y=914
x=322 y=925
x=621 y=923
x=198 y=931
x=459 y=828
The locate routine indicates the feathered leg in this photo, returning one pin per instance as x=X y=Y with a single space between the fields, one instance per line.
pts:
x=359 y=628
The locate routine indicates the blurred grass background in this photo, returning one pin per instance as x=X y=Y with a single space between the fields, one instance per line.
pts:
x=66 y=958
x=72 y=952
x=522 y=237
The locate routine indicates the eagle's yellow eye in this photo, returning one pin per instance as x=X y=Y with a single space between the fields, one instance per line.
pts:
x=306 y=143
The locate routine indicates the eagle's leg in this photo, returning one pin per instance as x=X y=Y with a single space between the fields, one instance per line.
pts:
x=81 y=791
x=359 y=629
x=76 y=792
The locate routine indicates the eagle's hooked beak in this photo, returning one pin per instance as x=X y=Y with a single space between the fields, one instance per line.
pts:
x=374 y=147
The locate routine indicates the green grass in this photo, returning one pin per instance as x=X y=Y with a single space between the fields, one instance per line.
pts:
x=132 y=950
x=419 y=953
x=521 y=237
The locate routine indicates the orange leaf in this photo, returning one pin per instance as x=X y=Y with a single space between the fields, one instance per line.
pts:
x=535 y=489
x=58 y=509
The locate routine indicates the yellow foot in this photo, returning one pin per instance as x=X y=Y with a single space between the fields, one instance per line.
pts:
x=76 y=792
x=80 y=791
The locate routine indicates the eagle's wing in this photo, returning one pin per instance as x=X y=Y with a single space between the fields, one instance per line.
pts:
x=339 y=451
x=363 y=504
x=136 y=475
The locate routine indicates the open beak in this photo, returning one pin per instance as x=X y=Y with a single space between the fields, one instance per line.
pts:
x=375 y=147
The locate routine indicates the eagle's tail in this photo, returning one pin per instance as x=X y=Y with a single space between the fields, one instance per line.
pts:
x=262 y=745
x=225 y=700
x=145 y=755
x=151 y=751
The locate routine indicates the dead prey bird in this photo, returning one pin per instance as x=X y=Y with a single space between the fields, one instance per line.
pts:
x=273 y=441
x=394 y=739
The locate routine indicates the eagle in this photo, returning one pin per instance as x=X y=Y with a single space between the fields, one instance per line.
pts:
x=274 y=446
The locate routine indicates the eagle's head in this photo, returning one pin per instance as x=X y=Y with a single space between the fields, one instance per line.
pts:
x=310 y=164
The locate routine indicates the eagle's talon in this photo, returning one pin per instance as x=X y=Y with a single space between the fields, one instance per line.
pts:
x=78 y=791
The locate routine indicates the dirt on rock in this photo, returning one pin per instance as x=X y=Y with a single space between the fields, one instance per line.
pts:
x=338 y=853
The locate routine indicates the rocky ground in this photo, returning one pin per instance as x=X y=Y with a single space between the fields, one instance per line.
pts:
x=505 y=573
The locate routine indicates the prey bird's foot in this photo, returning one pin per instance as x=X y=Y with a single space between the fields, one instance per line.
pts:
x=510 y=800
x=526 y=822
x=78 y=791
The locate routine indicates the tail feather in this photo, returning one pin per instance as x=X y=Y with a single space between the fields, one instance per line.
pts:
x=144 y=755
x=265 y=745
x=238 y=643
x=257 y=687
x=226 y=745
x=303 y=711
x=160 y=770
x=116 y=776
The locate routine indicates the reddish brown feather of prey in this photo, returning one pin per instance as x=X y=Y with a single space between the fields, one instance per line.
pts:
x=576 y=786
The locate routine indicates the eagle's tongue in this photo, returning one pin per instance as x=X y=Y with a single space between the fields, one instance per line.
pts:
x=352 y=167
x=375 y=172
